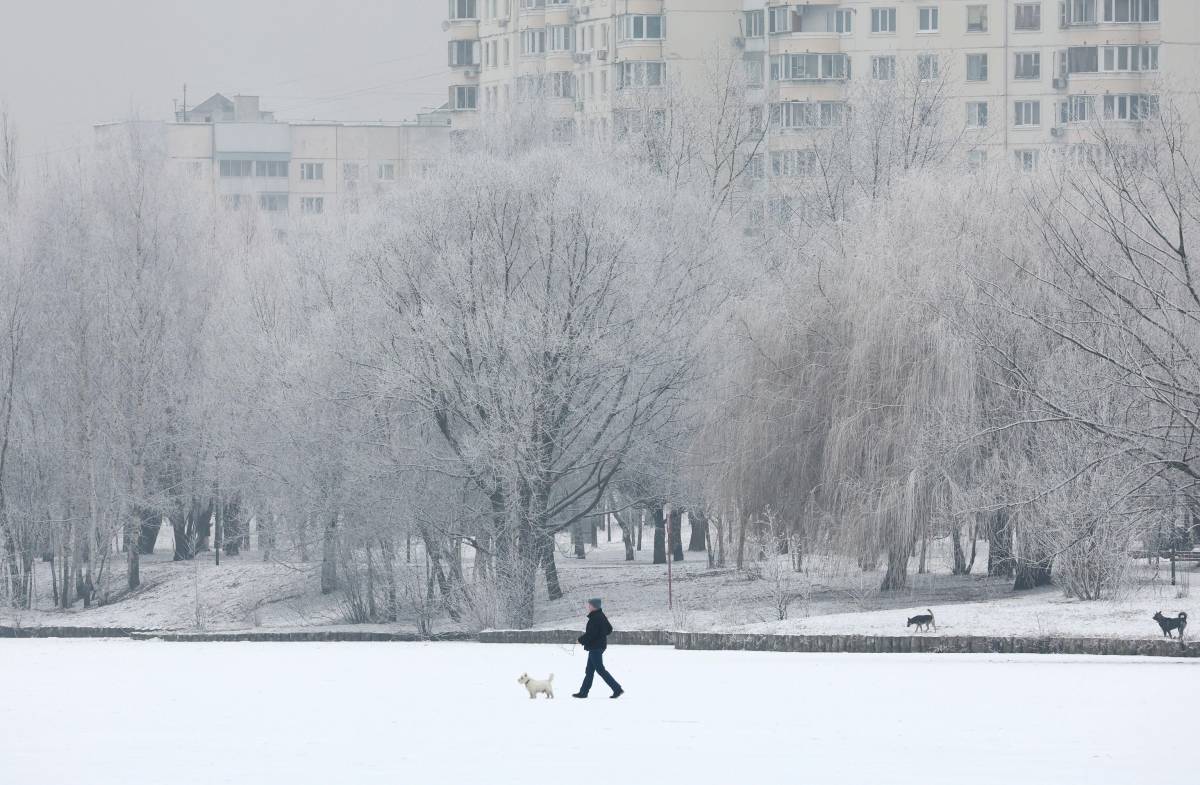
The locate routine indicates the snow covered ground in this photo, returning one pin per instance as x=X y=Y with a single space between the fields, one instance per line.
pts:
x=245 y=592
x=126 y=713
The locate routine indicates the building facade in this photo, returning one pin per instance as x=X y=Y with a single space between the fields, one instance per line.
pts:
x=1019 y=76
x=251 y=161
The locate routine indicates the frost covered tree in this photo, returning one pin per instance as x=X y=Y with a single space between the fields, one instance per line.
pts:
x=539 y=314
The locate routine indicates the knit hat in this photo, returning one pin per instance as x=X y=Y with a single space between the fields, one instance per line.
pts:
x=594 y=602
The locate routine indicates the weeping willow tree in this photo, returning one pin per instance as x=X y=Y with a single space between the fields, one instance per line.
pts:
x=853 y=403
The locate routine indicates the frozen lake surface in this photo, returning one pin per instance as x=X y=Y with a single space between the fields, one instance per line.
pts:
x=126 y=713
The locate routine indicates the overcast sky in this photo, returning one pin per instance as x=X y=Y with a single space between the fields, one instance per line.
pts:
x=66 y=64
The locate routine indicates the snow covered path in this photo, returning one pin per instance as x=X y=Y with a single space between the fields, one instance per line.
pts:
x=127 y=713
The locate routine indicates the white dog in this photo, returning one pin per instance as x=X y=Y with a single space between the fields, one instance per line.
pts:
x=537 y=685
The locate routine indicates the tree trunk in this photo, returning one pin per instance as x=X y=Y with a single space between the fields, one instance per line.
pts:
x=896 y=576
x=699 y=525
x=676 y=535
x=151 y=523
x=1031 y=575
x=960 y=558
x=743 y=524
x=233 y=526
x=1000 y=545
x=553 y=589
x=596 y=522
x=626 y=535
x=577 y=539
x=388 y=549
x=329 y=555
x=660 y=539
x=924 y=548
x=133 y=564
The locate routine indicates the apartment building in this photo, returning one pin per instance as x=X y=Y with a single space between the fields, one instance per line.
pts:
x=1022 y=76
x=250 y=160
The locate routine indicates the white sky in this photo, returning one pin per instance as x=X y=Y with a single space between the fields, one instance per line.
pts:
x=66 y=64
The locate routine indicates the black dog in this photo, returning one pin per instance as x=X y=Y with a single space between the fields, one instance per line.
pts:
x=924 y=620
x=1169 y=624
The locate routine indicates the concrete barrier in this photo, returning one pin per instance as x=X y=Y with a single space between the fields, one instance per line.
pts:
x=66 y=632
x=931 y=644
x=692 y=641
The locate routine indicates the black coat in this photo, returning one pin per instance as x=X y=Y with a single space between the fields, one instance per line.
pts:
x=595 y=636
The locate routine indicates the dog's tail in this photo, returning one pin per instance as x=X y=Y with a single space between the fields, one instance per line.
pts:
x=929 y=612
x=1183 y=615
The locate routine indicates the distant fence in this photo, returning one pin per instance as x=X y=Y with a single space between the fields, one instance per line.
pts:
x=690 y=641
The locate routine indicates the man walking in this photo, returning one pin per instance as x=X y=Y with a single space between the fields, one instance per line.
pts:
x=594 y=641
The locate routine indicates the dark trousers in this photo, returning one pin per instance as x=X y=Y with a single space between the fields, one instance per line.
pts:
x=595 y=664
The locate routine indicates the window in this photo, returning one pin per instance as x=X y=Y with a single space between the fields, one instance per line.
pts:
x=385 y=171
x=235 y=201
x=463 y=9
x=273 y=203
x=779 y=19
x=754 y=70
x=977 y=68
x=350 y=172
x=642 y=27
x=562 y=84
x=883 y=67
x=843 y=21
x=1130 y=58
x=977 y=114
x=1130 y=10
x=1027 y=16
x=1082 y=60
x=808 y=114
x=1029 y=65
x=807 y=67
x=1130 y=107
x=977 y=19
x=638 y=73
x=1026 y=160
x=270 y=168
x=533 y=41
x=528 y=5
x=312 y=205
x=1027 y=113
x=793 y=163
x=559 y=38
x=1078 y=12
x=463 y=97
x=927 y=19
x=312 y=171
x=236 y=168
x=1077 y=109
x=883 y=20
x=976 y=159
x=755 y=169
x=927 y=67
x=464 y=53
x=754 y=25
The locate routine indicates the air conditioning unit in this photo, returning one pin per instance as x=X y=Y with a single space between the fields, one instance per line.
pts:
x=1057 y=130
x=601 y=54
x=585 y=10
x=502 y=22
x=579 y=106
x=470 y=73
x=739 y=42
x=1060 y=83
x=582 y=57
